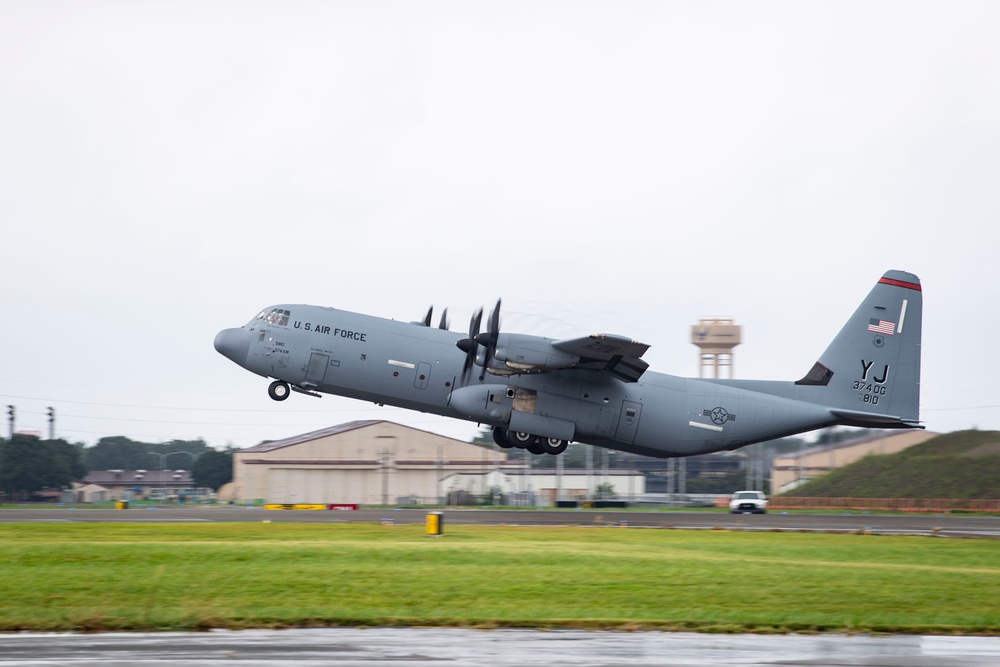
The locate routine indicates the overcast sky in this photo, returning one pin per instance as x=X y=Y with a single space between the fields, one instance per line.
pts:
x=167 y=169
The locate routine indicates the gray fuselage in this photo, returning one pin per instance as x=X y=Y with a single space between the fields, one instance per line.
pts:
x=420 y=368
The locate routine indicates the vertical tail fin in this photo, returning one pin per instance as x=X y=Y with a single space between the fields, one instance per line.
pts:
x=871 y=370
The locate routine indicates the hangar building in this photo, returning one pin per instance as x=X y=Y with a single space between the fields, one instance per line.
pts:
x=364 y=462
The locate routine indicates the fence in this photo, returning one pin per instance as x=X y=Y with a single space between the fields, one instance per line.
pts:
x=889 y=504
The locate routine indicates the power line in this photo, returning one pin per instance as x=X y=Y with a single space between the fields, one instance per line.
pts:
x=166 y=407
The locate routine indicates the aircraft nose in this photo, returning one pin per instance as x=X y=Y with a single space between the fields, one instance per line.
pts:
x=234 y=344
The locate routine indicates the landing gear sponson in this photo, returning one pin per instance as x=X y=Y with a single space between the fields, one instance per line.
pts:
x=535 y=444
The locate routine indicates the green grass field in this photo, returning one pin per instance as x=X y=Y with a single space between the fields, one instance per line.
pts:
x=100 y=577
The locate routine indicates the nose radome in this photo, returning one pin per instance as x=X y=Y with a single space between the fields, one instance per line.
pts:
x=234 y=344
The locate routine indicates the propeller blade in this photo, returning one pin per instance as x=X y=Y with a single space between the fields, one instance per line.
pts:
x=494 y=324
x=477 y=318
x=470 y=345
x=427 y=317
x=444 y=324
x=492 y=335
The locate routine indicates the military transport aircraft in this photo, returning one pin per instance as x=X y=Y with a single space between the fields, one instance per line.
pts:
x=540 y=394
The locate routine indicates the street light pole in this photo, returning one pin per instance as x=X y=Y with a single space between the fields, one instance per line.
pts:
x=163 y=465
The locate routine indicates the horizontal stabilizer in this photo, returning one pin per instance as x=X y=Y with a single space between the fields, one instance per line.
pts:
x=873 y=420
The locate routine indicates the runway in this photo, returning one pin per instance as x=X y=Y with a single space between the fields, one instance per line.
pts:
x=409 y=647
x=944 y=525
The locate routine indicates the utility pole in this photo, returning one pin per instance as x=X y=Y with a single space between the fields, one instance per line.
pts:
x=531 y=491
x=559 y=479
x=590 y=471
x=385 y=475
x=440 y=475
x=604 y=467
x=52 y=423
x=10 y=417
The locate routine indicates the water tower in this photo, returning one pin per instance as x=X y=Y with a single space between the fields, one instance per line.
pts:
x=716 y=339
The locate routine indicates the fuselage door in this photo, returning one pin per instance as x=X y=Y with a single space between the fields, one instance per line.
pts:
x=629 y=421
x=316 y=372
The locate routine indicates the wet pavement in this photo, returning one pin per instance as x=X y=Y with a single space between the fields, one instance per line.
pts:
x=410 y=647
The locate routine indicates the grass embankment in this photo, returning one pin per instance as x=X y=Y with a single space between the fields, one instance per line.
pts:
x=181 y=577
x=963 y=464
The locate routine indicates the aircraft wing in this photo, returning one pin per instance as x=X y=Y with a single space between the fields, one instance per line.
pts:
x=617 y=354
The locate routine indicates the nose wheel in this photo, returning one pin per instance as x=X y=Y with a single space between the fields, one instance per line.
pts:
x=278 y=390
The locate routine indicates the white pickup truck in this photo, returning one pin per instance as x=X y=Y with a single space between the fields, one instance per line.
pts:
x=748 y=502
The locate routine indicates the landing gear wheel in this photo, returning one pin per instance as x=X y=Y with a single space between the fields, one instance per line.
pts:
x=520 y=439
x=278 y=390
x=500 y=437
x=536 y=447
x=554 y=446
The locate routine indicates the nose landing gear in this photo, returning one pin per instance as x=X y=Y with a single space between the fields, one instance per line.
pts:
x=278 y=390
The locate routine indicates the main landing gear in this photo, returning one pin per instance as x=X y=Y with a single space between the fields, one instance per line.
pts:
x=533 y=443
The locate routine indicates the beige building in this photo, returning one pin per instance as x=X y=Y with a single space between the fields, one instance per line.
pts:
x=365 y=462
x=89 y=493
x=789 y=471
x=138 y=484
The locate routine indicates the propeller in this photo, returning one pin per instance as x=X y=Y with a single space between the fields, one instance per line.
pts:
x=442 y=324
x=469 y=345
x=489 y=339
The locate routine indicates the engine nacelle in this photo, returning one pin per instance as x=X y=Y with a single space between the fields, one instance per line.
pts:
x=530 y=354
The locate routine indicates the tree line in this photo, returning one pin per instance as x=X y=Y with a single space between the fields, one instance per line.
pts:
x=29 y=464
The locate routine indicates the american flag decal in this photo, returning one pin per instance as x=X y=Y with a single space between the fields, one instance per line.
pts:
x=881 y=326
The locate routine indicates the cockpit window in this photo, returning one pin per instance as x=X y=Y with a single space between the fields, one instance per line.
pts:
x=278 y=316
